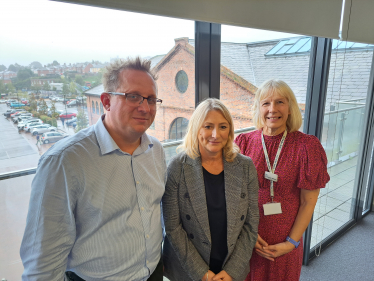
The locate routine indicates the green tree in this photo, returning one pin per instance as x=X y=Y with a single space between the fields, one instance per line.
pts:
x=36 y=88
x=2 y=67
x=23 y=74
x=65 y=89
x=81 y=120
x=2 y=87
x=43 y=107
x=36 y=64
x=46 y=87
x=10 y=88
x=33 y=103
x=54 y=113
x=72 y=88
x=79 y=80
x=12 y=68
x=55 y=63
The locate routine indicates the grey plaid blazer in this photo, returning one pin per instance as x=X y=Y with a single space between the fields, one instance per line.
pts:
x=186 y=251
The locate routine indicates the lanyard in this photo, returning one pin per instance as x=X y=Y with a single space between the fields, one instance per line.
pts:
x=272 y=170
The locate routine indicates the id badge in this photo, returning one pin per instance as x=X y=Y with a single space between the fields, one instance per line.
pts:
x=271 y=176
x=272 y=208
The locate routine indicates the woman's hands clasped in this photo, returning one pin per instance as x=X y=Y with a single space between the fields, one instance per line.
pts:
x=217 y=277
x=270 y=252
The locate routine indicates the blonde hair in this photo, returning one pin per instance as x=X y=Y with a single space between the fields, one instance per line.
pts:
x=190 y=143
x=269 y=88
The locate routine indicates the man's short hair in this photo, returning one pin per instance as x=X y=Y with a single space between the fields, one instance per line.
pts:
x=111 y=76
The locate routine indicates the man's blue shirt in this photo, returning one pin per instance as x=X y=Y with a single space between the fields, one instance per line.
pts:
x=95 y=210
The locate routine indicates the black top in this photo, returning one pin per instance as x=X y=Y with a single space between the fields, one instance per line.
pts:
x=216 y=202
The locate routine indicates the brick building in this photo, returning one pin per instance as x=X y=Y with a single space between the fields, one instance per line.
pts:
x=176 y=87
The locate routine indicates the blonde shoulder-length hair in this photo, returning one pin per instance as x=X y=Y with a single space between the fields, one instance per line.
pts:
x=190 y=144
x=269 y=88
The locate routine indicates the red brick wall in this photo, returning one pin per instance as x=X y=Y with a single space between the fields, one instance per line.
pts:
x=93 y=117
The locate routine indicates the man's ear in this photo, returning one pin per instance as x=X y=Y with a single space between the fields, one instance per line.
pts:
x=105 y=100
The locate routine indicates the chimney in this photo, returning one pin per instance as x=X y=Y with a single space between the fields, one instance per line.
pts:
x=181 y=41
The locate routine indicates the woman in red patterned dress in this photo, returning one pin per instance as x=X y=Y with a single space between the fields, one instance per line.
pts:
x=297 y=174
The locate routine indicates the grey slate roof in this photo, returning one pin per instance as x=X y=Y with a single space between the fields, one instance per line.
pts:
x=95 y=91
x=155 y=60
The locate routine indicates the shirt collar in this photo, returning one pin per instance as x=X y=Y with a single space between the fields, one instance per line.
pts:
x=107 y=144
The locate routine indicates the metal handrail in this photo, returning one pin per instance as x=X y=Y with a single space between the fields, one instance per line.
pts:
x=16 y=174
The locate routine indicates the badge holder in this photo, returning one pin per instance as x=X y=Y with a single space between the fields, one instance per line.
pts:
x=272 y=208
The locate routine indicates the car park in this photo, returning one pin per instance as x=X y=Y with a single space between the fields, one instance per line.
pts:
x=68 y=115
x=32 y=124
x=43 y=129
x=52 y=137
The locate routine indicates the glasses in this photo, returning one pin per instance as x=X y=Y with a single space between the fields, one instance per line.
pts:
x=138 y=99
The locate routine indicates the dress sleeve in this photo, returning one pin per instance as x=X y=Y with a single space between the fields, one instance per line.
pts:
x=313 y=166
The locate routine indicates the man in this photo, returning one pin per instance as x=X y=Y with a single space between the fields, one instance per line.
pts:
x=95 y=201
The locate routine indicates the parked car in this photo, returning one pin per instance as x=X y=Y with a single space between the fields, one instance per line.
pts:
x=17 y=113
x=21 y=125
x=8 y=102
x=23 y=119
x=52 y=137
x=25 y=102
x=60 y=99
x=42 y=129
x=32 y=124
x=68 y=115
x=16 y=105
x=17 y=117
x=9 y=112
x=71 y=121
x=72 y=103
x=2 y=101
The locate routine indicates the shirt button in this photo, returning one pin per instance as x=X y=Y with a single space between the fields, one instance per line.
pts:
x=147 y=236
x=137 y=182
x=142 y=208
x=242 y=218
x=147 y=262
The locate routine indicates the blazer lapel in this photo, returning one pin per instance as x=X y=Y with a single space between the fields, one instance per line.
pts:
x=233 y=186
x=193 y=174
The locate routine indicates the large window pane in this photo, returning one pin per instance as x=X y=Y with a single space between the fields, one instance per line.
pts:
x=56 y=66
x=14 y=202
x=342 y=131
x=249 y=57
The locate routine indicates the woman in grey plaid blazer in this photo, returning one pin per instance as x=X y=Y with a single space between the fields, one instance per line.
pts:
x=210 y=203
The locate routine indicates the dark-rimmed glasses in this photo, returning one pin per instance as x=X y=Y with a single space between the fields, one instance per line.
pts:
x=136 y=99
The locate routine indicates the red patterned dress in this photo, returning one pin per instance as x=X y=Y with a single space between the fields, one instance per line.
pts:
x=302 y=164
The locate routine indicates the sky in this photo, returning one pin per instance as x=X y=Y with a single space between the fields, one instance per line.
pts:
x=44 y=31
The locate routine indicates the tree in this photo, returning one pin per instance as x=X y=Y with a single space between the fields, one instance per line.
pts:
x=72 y=88
x=43 y=107
x=33 y=103
x=10 y=88
x=65 y=89
x=12 y=68
x=54 y=113
x=2 y=67
x=46 y=87
x=2 y=87
x=79 y=80
x=54 y=63
x=35 y=64
x=81 y=120
x=37 y=88
x=23 y=74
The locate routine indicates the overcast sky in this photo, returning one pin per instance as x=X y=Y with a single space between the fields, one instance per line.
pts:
x=41 y=30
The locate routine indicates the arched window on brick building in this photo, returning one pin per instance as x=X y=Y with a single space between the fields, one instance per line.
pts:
x=178 y=128
x=101 y=109
x=93 y=107
x=97 y=108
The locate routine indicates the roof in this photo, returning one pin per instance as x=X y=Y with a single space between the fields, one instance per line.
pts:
x=95 y=91
x=155 y=60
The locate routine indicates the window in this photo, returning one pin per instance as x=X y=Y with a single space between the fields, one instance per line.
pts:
x=171 y=50
x=178 y=128
x=181 y=81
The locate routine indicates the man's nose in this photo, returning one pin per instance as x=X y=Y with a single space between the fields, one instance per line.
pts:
x=144 y=106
